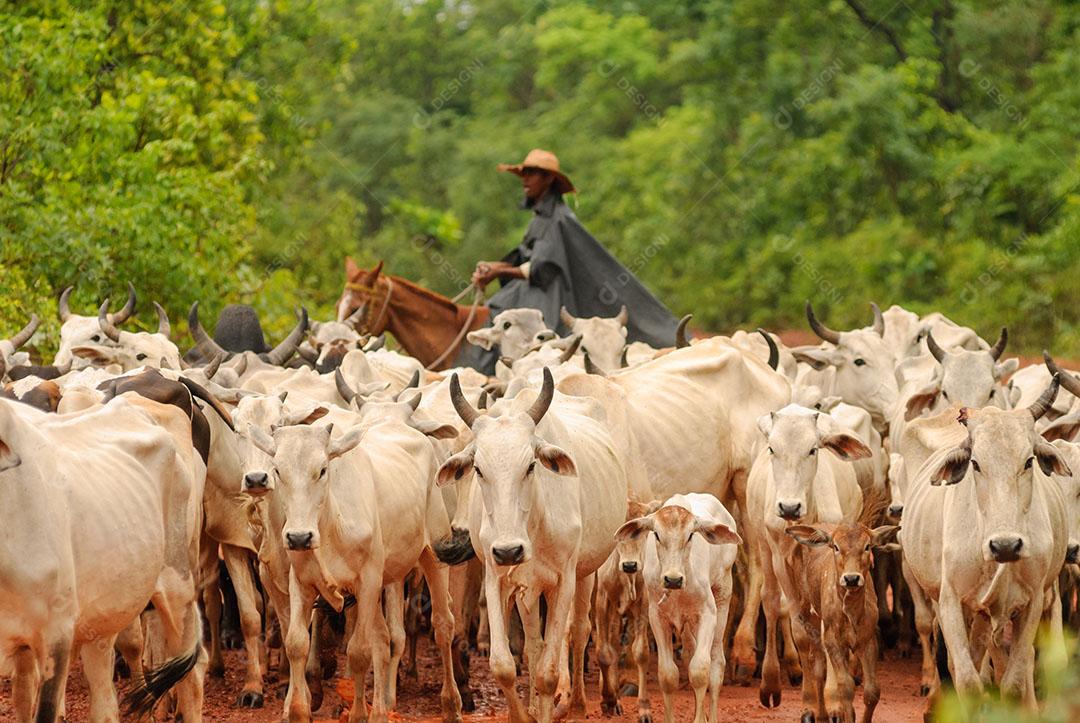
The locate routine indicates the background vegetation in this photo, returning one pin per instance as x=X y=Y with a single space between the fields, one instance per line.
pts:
x=741 y=155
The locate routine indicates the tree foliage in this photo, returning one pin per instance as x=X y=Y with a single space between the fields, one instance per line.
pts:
x=741 y=156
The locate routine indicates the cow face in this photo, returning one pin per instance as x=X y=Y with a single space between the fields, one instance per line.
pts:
x=999 y=457
x=673 y=529
x=966 y=379
x=852 y=546
x=133 y=350
x=603 y=339
x=864 y=371
x=514 y=331
x=1063 y=434
x=256 y=417
x=794 y=441
x=302 y=457
x=630 y=548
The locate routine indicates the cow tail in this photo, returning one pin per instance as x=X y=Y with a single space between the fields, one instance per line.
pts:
x=141 y=700
x=200 y=393
x=875 y=502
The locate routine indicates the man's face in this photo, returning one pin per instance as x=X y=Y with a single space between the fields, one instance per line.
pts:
x=536 y=183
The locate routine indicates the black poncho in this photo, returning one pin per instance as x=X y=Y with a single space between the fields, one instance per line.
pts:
x=568 y=267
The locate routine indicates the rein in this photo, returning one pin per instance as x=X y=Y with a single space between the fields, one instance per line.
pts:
x=478 y=296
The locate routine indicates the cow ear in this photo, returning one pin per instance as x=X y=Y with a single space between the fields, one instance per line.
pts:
x=921 y=401
x=633 y=529
x=304 y=416
x=434 y=429
x=809 y=535
x=717 y=533
x=846 y=446
x=261 y=440
x=483 y=338
x=1006 y=368
x=344 y=443
x=765 y=423
x=953 y=468
x=1050 y=461
x=456 y=467
x=98 y=356
x=555 y=459
x=8 y=458
x=883 y=536
x=817 y=358
x=1065 y=428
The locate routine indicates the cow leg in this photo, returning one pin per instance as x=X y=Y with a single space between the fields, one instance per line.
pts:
x=394 y=604
x=579 y=637
x=954 y=631
x=483 y=628
x=369 y=647
x=98 y=658
x=556 y=629
x=806 y=631
x=465 y=583
x=500 y=658
x=1018 y=681
x=528 y=612
x=883 y=562
x=608 y=623
x=25 y=684
x=51 y=692
x=743 y=654
x=769 y=691
x=640 y=651
x=130 y=644
x=718 y=663
x=790 y=661
x=211 y=598
x=414 y=620
x=924 y=625
x=700 y=668
x=236 y=561
x=871 y=690
x=839 y=686
x=297 y=646
x=667 y=672
x=442 y=621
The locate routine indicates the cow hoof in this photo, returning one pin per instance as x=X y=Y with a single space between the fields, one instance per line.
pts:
x=769 y=699
x=795 y=678
x=630 y=690
x=483 y=649
x=217 y=669
x=744 y=674
x=250 y=699
x=232 y=640
x=316 y=689
x=468 y=702
x=645 y=717
x=610 y=708
x=924 y=690
x=858 y=680
x=807 y=717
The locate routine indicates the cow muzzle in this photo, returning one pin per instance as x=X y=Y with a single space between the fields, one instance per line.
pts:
x=790 y=511
x=630 y=567
x=510 y=554
x=851 y=581
x=300 y=540
x=256 y=483
x=896 y=511
x=674 y=581
x=1005 y=548
x=1072 y=554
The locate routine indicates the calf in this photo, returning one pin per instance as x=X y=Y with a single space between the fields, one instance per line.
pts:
x=835 y=574
x=688 y=561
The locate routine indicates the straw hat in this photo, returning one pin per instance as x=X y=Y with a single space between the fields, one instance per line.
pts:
x=545 y=161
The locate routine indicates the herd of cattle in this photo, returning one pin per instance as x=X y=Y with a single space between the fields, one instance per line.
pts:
x=646 y=499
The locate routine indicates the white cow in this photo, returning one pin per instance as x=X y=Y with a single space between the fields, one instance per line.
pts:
x=603 y=339
x=104 y=518
x=791 y=483
x=550 y=493
x=77 y=330
x=514 y=331
x=990 y=540
x=688 y=561
x=905 y=333
x=131 y=350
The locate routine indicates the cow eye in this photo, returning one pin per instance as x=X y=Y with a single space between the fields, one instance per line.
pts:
x=860 y=362
x=945 y=394
x=532 y=467
x=656 y=535
x=813 y=451
x=478 y=472
x=992 y=393
x=771 y=451
x=836 y=548
x=506 y=325
x=975 y=466
x=1027 y=465
x=96 y=337
x=322 y=472
x=867 y=548
x=140 y=357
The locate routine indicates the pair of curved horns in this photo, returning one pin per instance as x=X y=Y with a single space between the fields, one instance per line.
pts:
x=995 y=352
x=536 y=412
x=118 y=318
x=833 y=337
x=108 y=325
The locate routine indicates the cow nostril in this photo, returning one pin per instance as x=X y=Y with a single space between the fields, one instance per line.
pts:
x=1006 y=549
x=792 y=511
x=896 y=510
x=852 y=580
x=673 y=582
x=299 y=540
x=629 y=567
x=255 y=480
x=511 y=555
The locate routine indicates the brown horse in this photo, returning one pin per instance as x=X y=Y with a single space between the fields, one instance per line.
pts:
x=426 y=324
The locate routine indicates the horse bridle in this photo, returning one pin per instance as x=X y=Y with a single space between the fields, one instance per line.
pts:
x=369 y=295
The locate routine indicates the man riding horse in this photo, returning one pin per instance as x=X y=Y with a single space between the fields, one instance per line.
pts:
x=558 y=264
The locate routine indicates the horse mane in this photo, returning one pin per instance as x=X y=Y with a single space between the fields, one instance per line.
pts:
x=430 y=295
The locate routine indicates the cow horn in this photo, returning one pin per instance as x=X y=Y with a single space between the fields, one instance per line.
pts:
x=826 y=334
x=1069 y=381
x=999 y=347
x=547 y=393
x=62 y=305
x=623 y=361
x=121 y=316
x=343 y=387
x=307 y=354
x=623 y=316
x=106 y=324
x=241 y=366
x=211 y=367
x=414 y=382
x=571 y=349
x=591 y=368
x=163 y=325
x=482 y=402
x=932 y=345
x=375 y=344
x=681 y=341
x=565 y=317
x=1041 y=405
x=26 y=332
x=774 y=351
x=284 y=351
x=461 y=404
x=3 y=367
x=879 y=319
x=204 y=342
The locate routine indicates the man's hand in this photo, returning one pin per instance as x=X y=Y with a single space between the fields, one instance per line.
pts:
x=488 y=271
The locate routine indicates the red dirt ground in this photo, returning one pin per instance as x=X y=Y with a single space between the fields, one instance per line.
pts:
x=418 y=700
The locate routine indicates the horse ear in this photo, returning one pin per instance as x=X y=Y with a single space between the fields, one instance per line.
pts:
x=375 y=273
x=351 y=269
